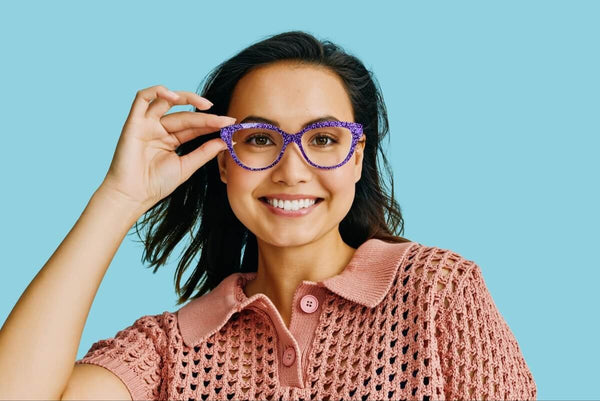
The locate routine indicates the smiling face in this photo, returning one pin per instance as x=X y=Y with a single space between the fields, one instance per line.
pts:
x=291 y=95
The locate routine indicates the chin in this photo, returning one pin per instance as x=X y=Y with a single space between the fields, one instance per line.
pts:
x=288 y=239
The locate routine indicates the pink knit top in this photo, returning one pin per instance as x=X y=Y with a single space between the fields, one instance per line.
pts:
x=401 y=321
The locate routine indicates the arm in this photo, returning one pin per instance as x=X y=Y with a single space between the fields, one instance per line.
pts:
x=39 y=340
x=40 y=337
x=480 y=356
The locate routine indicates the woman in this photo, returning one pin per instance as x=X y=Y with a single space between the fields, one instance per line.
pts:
x=302 y=291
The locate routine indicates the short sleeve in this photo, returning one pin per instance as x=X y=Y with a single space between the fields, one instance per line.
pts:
x=480 y=357
x=134 y=355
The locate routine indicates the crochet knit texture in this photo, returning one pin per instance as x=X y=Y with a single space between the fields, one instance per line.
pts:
x=401 y=321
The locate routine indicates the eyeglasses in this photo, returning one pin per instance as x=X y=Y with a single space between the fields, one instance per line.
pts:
x=259 y=146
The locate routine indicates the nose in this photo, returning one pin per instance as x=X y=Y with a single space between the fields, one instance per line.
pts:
x=292 y=168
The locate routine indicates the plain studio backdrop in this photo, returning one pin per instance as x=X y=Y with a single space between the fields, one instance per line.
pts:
x=493 y=111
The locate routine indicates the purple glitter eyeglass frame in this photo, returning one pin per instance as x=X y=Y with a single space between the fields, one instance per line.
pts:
x=355 y=129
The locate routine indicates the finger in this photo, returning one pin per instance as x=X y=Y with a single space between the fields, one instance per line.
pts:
x=144 y=96
x=161 y=106
x=191 y=133
x=183 y=120
x=199 y=157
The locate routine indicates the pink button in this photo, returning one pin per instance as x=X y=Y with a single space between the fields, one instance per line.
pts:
x=288 y=356
x=309 y=303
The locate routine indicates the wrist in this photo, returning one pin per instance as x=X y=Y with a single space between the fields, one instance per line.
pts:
x=119 y=203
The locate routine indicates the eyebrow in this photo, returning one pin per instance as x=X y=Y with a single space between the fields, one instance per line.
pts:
x=258 y=119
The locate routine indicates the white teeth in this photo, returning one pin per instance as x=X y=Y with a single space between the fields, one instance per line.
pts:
x=291 y=205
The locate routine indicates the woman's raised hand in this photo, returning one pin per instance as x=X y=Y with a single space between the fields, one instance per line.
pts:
x=145 y=167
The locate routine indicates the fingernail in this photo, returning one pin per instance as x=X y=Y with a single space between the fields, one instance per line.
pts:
x=172 y=94
x=208 y=101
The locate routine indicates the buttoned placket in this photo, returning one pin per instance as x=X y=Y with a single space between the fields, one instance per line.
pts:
x=294 y=342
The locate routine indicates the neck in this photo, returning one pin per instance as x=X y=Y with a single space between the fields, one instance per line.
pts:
x=281 y=269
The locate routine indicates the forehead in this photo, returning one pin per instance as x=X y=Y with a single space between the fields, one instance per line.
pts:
x=292 y=92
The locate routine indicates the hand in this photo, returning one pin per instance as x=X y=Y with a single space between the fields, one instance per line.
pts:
x=145 y=167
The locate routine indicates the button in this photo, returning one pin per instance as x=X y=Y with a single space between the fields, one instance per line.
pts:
x=289 y=356
x=309 y=303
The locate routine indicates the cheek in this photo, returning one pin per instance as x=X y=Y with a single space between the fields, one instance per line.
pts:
x=339 y=183
x=241 y=186
x=239 y=180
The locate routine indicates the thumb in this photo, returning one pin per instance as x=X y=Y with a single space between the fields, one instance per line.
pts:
x=199 y=157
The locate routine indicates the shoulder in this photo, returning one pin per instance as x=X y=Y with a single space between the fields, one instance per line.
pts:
x=437 y=271
x=164 y=322
x=438 y=265
x=148 y=331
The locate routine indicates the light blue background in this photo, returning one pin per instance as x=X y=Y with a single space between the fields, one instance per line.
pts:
x=494 y=141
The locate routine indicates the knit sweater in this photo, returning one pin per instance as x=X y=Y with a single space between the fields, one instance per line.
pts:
x=401 y=321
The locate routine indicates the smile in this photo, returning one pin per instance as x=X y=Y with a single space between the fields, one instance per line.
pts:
x=295 y=208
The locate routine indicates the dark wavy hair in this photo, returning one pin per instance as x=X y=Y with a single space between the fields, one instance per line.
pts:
x=200 y=206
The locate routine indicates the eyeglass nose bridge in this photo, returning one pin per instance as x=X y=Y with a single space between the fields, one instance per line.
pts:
x=292 y=138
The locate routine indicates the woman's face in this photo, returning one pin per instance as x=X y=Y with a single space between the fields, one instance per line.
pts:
x=291 y=95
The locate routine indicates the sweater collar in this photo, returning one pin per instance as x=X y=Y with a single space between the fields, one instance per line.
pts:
x=365 y=280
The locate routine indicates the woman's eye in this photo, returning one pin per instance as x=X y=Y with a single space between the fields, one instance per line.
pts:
x=260 y=140
x=321 y=140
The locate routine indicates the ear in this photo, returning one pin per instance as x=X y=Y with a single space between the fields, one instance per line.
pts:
x=359 y=153
x=222 y=166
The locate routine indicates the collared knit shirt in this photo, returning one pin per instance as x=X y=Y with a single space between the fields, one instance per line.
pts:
x=401 y=321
